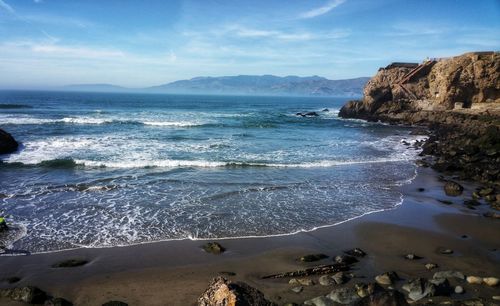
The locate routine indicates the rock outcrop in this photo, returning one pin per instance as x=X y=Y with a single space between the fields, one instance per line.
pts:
x=471 y=80
x=7 y=143
x=458 y=98
x=222 y=292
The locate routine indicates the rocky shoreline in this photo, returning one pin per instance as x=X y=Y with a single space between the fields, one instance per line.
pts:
x=457 y=101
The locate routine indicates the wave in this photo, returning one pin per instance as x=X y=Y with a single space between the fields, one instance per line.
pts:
x=171 y=163
x=95 y=121
x=14 y=106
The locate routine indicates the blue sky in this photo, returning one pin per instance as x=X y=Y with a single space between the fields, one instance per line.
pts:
x=143 y=43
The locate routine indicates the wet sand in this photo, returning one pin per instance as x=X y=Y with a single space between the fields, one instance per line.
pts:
x=177 y=272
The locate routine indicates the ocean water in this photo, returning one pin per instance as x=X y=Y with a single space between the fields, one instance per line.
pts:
x=101 y=170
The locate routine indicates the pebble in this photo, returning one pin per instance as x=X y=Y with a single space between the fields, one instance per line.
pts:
x=446 y=251
x=412 y=257
x=459 y=290
x=491 y=281
x=431 y=266
x=297 y=289
x=474 y=280
x=496 y=297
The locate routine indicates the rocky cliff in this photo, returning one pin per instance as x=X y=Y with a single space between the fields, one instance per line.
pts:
x=458 y=98
x=468 y=81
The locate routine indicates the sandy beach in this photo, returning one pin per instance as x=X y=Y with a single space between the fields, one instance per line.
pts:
x=177 y=272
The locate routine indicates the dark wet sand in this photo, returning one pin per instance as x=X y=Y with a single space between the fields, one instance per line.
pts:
x=177 y=272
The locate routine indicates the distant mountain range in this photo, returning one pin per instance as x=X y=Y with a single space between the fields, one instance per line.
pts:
x=245 y=84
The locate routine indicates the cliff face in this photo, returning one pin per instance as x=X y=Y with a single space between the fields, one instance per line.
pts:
x=458 y=98
x=469 y=80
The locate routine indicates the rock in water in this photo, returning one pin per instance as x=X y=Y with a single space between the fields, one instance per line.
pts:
x=28 y=294
x=7 y=143
x=214 y=248
x=453 y=189
x=222 y=292
x=3 y=225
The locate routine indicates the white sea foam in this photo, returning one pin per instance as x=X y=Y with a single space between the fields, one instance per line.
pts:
x=172 y=123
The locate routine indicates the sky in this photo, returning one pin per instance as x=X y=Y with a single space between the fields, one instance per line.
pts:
x=46 y=43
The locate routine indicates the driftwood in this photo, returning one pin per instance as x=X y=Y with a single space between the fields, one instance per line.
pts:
x=323 y=269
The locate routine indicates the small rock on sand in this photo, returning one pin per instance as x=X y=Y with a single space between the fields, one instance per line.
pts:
x=449 y=274
x=313 y=257
x=459 y=290
x=339 y=278
x=491 y=281
x=57 y=302
x=387 y=278
x=319 y=301
x=325 y=280
x=297 y=289
x=115 y=303
x=474 y=280
x=356 y=252
x=70 y=263
x=453 y=189
x=430 y=266
x=412 y=256
x=345 y=259
x=213 y=247
x=446 y=251
x=344 y=295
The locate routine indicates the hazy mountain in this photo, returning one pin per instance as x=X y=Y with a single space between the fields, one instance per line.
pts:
x=266 y=84
x=245 y=84
x=97 y=88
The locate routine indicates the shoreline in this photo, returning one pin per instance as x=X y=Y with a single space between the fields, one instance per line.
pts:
x=118 y=268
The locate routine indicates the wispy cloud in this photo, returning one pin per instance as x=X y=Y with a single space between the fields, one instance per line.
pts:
x=330 y=5
x=6 y=7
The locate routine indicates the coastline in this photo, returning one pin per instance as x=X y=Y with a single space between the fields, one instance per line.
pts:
x=177 y=272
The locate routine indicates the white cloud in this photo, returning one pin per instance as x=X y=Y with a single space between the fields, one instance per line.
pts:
x=6 y=7
x=78 y=52
x=38 y=1
x=330 y=5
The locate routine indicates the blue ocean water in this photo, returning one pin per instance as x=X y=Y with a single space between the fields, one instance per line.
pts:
x=98 y=170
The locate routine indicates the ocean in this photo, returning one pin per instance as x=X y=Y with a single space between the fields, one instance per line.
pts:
x=103 y=169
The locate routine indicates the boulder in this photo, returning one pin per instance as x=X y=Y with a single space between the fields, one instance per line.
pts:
x=7 y=143
x=320 y=301
x=383 y=298
x=364 y=290
x=59 y=302
x=28 y=294
x=339 y=278
x=344 y=295
x=222 y=292
x=345 y=259
x=419 y=288
x=453 y=189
